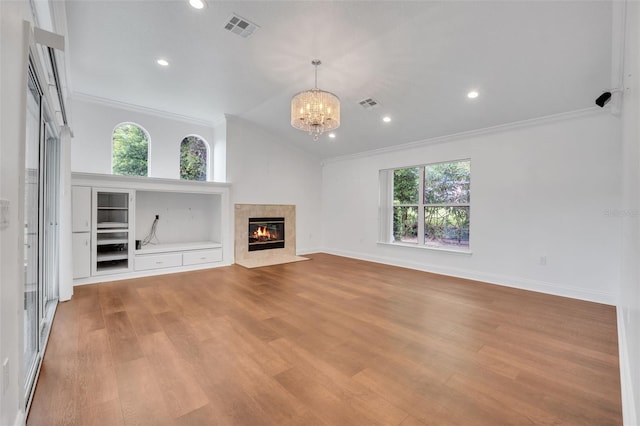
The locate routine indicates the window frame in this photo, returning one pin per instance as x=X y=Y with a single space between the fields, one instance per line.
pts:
x=388 y=238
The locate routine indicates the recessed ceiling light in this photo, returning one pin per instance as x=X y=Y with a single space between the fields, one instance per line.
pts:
x=163 y=62
x=196 y=4
x=386 y=119
x=472 y=94
x=332 y=135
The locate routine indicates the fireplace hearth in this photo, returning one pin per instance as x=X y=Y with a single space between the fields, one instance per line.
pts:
x=266 y=233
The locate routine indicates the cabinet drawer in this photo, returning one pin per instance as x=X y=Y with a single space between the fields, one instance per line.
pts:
x=202 y=256
x=157 y=261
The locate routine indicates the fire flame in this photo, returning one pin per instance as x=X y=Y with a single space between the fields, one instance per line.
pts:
x=262 y=233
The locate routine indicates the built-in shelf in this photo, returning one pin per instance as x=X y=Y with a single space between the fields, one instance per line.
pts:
x=114 y=266
x=108 y=225
x=107 y=241
x=112 y=238
x=165 y=248
x=107 y=257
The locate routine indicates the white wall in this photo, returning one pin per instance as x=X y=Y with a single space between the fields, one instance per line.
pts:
x=264 y=171
x=219 y=163
x=629 y=305
x=12 y=134
x=93 y=125
x=540 y=189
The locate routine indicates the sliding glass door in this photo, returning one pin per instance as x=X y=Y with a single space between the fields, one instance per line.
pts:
x=32 y=227
x=41 y=236
x=51 y=224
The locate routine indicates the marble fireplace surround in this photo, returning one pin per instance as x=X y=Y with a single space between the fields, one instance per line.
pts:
x=255 y=259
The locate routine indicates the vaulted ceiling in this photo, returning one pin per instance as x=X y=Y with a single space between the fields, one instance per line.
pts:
x=418 y=59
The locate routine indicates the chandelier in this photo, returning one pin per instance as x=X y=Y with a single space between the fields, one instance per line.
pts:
x=315 y=111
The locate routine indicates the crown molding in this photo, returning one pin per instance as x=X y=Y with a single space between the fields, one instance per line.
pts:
x=468 y=134
x=84 y=97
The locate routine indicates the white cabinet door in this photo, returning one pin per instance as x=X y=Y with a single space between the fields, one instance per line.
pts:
x=81 y=242
x=81 y=208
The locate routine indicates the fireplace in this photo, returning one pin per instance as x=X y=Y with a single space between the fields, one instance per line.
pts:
x=266 y=233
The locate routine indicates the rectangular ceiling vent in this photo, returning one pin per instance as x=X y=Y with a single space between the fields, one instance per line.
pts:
x=369 y=103
x=240 y=26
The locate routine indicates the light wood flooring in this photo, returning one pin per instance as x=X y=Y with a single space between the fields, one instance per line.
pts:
x=331 y=341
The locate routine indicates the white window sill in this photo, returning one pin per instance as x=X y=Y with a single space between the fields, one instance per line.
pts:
x=466 y=252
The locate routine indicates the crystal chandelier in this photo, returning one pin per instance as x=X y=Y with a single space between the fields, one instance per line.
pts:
x=315 y=111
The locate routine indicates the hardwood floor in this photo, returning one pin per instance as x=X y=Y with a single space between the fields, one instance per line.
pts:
x=331 y=341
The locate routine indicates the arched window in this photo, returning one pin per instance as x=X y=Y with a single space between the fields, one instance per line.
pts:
x=130 y=150
x=193 y=158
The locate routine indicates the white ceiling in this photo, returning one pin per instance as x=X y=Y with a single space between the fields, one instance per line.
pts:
x=527 y=59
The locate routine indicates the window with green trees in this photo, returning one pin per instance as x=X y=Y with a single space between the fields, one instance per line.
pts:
x=406 y=184
x=193 y=158
x=431 y=204
x=130 y=150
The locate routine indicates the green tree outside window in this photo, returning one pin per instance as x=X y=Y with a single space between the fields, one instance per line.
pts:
x=130 y=150
x=405 y=204
x=431 y=204
x=193 y=159
x=447 y=203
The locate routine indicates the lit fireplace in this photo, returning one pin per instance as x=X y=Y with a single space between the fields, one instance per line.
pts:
x=266 y=233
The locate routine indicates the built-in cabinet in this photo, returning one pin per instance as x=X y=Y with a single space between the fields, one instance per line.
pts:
x=81 y=242
x=81 y=228
x=125 y=227
x=178 y=254
x=81 y=214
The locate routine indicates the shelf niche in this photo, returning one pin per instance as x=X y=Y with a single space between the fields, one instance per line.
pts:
x=185 y=219
x=112 y=238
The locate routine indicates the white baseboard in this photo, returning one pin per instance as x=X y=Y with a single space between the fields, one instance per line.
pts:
x=148 y=273
x=498 y=279
x=629 y=415
x=302 y=252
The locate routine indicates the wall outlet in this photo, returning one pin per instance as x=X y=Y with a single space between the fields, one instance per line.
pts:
x=157 y=216
x=543 y=260
x=5 y=376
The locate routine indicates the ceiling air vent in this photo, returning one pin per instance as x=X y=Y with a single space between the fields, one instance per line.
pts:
x=240 y=26
x=369 y=103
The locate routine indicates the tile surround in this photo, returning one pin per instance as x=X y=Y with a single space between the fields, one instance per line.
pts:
x=242 y=213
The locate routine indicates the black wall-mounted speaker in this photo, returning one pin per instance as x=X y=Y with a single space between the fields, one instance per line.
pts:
x=603 y=99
